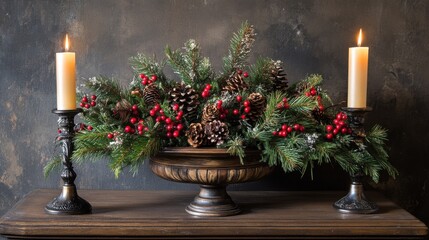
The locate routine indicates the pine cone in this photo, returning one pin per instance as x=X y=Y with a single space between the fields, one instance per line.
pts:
x=187 y=98
x=235 y=83
x=210 y=113
x=278 y=77
x=258 y=104
x=216 y=132
x=122 y=110
x=137 y=92
x=195 y=134
x=151 y=95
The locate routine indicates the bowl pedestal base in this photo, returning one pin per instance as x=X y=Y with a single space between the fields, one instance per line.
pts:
x=213 y=201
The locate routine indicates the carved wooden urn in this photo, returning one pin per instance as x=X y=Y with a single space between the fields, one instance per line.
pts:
x=213 y=169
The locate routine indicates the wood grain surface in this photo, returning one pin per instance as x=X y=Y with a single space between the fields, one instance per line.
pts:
x=161 y=215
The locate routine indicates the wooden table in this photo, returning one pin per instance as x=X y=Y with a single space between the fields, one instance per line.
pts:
x=161 y=215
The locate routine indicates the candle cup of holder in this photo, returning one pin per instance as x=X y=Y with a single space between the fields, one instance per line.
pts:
x=68 y=202
x=355 y=201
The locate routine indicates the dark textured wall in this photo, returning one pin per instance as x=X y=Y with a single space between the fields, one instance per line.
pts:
x=309 y=36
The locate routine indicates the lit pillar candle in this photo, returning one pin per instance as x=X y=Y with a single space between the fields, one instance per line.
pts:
x=66 y=78
x=358 y=75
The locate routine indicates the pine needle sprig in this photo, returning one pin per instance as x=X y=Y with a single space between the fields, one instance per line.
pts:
x=235 y=147
x=148 y=66
x=240 y=47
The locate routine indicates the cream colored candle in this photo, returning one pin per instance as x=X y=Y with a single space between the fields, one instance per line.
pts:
x=358 y=75
x=66 y=79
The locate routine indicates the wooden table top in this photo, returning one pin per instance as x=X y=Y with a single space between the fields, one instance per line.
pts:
x=161 y=214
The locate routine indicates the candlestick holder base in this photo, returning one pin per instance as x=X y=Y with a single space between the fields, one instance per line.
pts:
x=355 y=201
x=68 y=202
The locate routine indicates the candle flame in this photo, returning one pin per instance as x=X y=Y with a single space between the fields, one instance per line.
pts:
x=359 y=41
x=67 y=43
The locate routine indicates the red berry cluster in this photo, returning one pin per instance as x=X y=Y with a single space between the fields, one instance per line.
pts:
x=206 y=91
x=285 y=130
x=85 y=102
x=340 y=126
x=173 y=127
x=245 y=74
x=146 y=80
x=313 y=93
x=244 y=107
x=283 y=105
x=223 y=111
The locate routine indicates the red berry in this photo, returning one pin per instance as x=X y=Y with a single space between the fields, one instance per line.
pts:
x=301 y=128
x=87 y=106
x=110 y=136
x=59 y=131
x=168 y=120
x=140 y=132
x=169 y=127
x=144 y=81
x=205 y=94
x=161 y=112
x=289 y=129
x=245 y=74
x=82 y=104
x=341 y=123
x=85 y=99
x=127 y=129
x=274 y=133
x=335 y=131
x=176 y=134
x=93 y=97
x=239 y=71
x=284 y=127
x=239 y=98
x=133 y=120
x=180 y=113
x=134 y=107
x=175 y=107
x=286 y=105
x=153 y=78
x=169 y=135
x=349 y=131
x=243 y=116
x=339 y=116
x=343 y=130
x=280 y=106
x=140 y=127
x=142 y=76
x=285 y=100
x=321 y=107
x=157 y=107
x=313 y=92
x=335 y=121
x=222 y=116
x=329 y=128
x=93 y=103
x=146 y=128
x=179 y=126
x=178 y=118
x=246 y=103
x=158 y=119
x=307 y=94
x=152 y=112
x=247 y=109
x=296 y=127
x=208 y=86
x=132 y=131
x=329 y=136
x=219 y=103
x=344 y=117
x=235 y=112
x=163 y=118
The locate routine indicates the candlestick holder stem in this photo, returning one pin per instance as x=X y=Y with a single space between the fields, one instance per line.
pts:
x=355 y=201
x=68 y=202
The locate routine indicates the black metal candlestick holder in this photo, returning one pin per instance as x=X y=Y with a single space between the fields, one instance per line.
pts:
x=68 y=202
x=355 y=201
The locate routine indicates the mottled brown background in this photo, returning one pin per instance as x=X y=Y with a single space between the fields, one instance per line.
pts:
x=310 y=36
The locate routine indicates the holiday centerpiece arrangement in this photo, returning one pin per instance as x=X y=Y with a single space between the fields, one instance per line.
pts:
x=249 y=116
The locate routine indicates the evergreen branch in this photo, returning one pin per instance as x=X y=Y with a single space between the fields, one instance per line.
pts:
x=236 y=148
x=104 y=87
x=53 y=164
x=240 y=47
x=148 y=66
